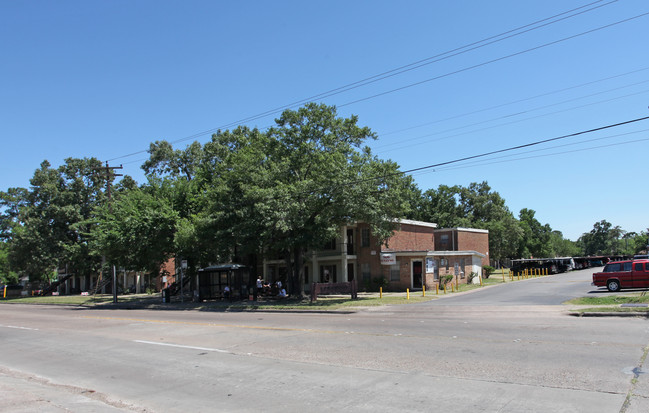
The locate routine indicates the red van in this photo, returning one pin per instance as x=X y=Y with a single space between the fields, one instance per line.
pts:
x=623 y=274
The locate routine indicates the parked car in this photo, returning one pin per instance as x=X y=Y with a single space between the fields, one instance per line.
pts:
x=623 y=274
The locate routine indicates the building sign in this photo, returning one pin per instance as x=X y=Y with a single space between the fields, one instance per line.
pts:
x=388 y=259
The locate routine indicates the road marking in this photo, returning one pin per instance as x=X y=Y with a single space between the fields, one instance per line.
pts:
x=20 y=328
x=181 y=346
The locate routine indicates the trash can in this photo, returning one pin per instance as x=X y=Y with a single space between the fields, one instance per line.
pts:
x=166 y=295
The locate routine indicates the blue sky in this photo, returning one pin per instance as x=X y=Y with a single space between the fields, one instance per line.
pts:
x=106 y=78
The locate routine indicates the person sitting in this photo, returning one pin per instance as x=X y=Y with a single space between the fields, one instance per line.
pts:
x=226 y=292
x=282 y=293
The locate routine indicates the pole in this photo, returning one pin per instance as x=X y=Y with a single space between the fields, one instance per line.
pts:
x=114 y=285
x=110 y=175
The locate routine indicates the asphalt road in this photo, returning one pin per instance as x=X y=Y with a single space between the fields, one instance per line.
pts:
x=511 y=348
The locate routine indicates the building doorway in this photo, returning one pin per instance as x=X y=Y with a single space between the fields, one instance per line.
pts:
x=417 y=274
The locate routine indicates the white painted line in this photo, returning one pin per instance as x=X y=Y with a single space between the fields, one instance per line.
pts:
x=20 y=328
x=181 y=346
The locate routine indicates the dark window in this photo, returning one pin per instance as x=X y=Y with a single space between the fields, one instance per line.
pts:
x=330 y=245
x=638 y=266
x=395 y=272
x=365 y=271
x=444 y=242
x=628 y=266
x=365 y=237
x=646 y=266
x=613 y=267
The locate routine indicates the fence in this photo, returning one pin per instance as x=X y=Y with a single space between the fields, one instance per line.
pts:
x=333 y=288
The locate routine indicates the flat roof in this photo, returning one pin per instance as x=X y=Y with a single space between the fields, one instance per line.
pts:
x=482 y=231
x=418 y=223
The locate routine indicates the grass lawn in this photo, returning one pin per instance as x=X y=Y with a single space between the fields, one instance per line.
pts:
x=85 y=300
x=612 y=303
x=323 y=303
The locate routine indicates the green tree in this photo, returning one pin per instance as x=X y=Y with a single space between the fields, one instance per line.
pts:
x=536 y=241
x=475 y=206
x=46 y=221
x=562 y=247
x=7 y=276
x=136 y=231
x=315 y=178
x=442 y=206
x=603 y=239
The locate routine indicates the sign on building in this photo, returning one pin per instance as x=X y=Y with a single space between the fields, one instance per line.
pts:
x=388 y=258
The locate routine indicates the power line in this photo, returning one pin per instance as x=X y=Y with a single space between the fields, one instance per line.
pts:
x=393 y=72
x=488 y=62
x=527 y=145
x=402 y=146
x=463 y=159
x=501 y=159
x=540 y=156
x=515 y=101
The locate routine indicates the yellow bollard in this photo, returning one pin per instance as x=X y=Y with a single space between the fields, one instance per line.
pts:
x=436 y=289
x=480 y=281
x=424 y=290
x=380 y=292
x=5 y=293
x=407 y=293
x=444 y=288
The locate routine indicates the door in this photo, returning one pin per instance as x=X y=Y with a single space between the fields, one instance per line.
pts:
x=641 y=275
x=350 y=272
x=417 y=272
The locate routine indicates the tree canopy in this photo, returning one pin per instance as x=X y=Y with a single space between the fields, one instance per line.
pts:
x=249 y=194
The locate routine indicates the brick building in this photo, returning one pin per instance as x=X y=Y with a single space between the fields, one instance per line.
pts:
x=417 y=253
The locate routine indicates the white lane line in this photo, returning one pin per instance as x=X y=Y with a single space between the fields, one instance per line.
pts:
x=181 y=346
x=20 y=328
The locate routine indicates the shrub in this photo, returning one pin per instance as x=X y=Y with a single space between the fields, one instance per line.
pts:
x=471 y=277
x=381 y=282
x=445 y=280
x=488 y=270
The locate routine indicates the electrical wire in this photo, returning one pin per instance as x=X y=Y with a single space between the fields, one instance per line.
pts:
x=400 y=143
x=514 y=102
x=488 y=62
x=375 y=77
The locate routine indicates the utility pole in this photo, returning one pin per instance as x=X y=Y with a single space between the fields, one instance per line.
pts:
x=109 y=174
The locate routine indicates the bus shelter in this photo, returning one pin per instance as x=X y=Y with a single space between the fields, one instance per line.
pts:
x=213 y=280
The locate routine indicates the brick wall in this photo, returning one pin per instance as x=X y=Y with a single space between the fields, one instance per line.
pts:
x=474 y=241
x=410 y=237
x=458 y=239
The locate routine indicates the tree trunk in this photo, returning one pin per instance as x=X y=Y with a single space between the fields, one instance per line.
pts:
x=298 y=272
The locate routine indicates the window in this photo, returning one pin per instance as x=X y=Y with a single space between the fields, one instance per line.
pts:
x=612 y=267
x=395 y=272
x=444 y=241
x=628 y=266
x=638 y=266
x=646 y=266
x=365 y=237
x=365 y=272
x=330 y=245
